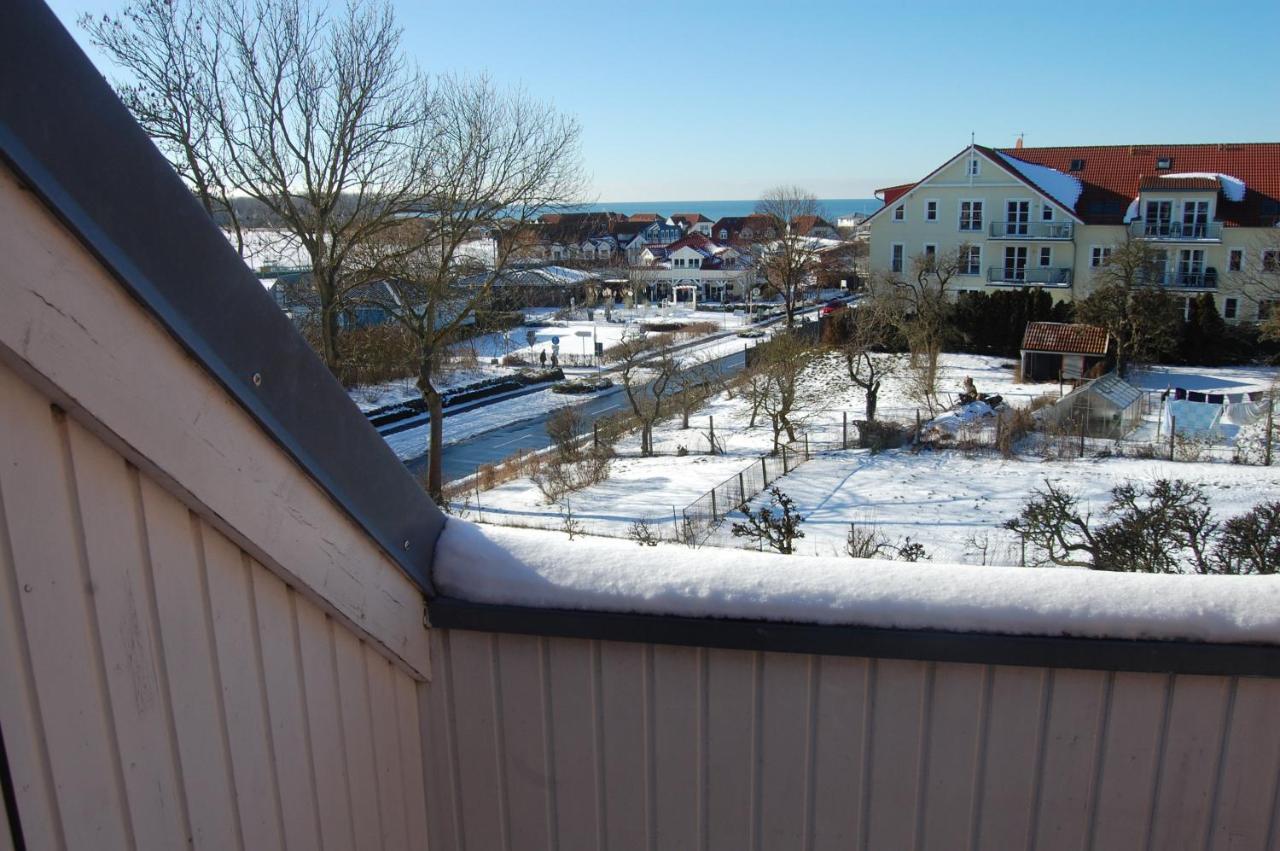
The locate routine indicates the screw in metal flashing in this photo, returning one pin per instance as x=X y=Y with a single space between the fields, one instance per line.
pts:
x=257 y=379
x=406 y=545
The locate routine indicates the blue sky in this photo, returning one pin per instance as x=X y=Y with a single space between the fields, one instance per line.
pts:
x=721 y=100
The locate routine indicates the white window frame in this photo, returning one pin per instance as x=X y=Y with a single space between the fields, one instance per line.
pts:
x=1269 y=260
x=900 y=213
x=1046 y=212
x=1029 y=202
x=977 y=264
x=1046 y=256
x=1231 y=251
x=936 y=209
x=974 y=168
x=1231 y=309
x=931 y=250
x=898 y=257
x=982 y=215
x=1098 y=255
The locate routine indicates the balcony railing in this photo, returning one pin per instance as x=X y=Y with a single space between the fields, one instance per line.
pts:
x=1206 y=279
x=1032 y=230
x=1177 y=231
x=1045 y=276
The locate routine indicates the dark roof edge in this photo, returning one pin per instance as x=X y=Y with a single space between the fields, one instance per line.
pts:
x=64 y=133
x=1100 y=654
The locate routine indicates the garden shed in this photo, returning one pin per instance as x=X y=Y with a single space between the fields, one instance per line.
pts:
x=1107 y=407
x=1063 y=350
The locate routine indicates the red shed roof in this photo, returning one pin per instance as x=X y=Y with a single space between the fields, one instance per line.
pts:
x=1064 y=338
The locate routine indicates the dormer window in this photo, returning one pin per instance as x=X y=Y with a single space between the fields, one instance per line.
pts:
x=1164 y=163
x=974 y=167
x=899 y=213
x=1077 y=165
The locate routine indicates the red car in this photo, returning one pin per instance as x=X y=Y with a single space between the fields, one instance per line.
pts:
x=831 y=307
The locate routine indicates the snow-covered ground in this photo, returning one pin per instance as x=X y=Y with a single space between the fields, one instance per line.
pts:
x=951 y=502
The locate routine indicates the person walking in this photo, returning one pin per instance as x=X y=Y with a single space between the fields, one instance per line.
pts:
x=542 y=358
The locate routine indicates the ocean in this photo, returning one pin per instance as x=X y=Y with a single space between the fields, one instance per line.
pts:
x=832 y=208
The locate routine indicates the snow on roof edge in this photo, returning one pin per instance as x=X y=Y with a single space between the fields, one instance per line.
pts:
x=1232 y=187
x=541 y=569
x=1063 y=188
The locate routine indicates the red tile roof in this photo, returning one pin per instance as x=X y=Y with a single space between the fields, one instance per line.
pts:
x=643 y=217
x=893 y=193
x=1112 y=175
x=803 y=224
x=1060 y=337
x=1171 y=184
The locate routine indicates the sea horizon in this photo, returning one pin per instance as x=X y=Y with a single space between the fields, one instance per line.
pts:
x=832 y=208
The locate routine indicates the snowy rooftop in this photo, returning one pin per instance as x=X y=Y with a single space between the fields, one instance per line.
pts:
x=524 y=567
x=1063 y=188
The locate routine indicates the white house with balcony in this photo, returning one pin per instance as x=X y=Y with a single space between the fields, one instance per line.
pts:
x=696 y=264
x=1051 y=217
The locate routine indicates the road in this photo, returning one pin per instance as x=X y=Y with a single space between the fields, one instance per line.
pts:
x=462 y=458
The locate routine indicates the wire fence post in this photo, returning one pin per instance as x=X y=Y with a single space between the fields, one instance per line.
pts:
x=764 y=472
x=807 y=456
x=1271 y=406
x=917 y=437
x=742 y=490
x=844 y=436
x=595 y=435
x=712 y=421
x=784 y=460
x=1173 y=430
x=714 y=516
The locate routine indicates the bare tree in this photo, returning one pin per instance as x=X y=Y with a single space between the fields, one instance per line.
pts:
x=493 y=163
x=785 y=395
x=919 y=305
x=870 y=332
x=1127 y=300
x=171 y=53
x=788 y=259
x=647 y=371
x=313 y=113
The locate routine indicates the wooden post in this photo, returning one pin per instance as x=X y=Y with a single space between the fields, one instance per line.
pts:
x=917 y=437
x=1083 y=420
x=807 y=456
x=1173 y=431
x=595 y=435
x=714 y=515
x=712 y=420
x=742 y=490
x=1271 y=406
x=764 y=472
x=999 y=423
x=784 y=460
x=844 y=437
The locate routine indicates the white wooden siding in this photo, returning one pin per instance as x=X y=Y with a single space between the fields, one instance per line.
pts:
x=565 y=743
x=157 y=683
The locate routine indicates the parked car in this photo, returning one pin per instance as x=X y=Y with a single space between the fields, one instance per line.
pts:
x=751 y=332
x=836 y=304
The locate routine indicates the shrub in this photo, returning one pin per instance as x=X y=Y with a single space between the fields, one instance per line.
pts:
x=642 y=534
x=776 y=524
x=865 y=542
x=879 y=435
x=1250 y=543
x=565 y=427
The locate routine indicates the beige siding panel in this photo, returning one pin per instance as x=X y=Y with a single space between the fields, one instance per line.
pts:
x=677 y=762
x=573 y=758
x=1009 y=767
x=440 y=747
x=472 y=680
x=954 y=736
x=194 y=691
x=411 y=760
x=1189 y=762
x=1129 y=761
x=899 y=713
x=328 y=749
x=785 y=753
x=357 y=736
x=624 y=734
x=287 y=709
x=228 y=585
x=841 y=735
x=60 y=622
x=1069 y=762
x=1246 y=793
x=68 y=325
x=380 y=692
x=112 y=523
x=6 y=832
x=731 y=747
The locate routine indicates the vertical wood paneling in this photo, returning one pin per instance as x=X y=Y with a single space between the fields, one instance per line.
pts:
x=287 y=709
x=328 y=749
x=411 y=761
x=357 y=735
x=626 y=767
x=116 y=554
x=840 y=719
x=444 y=819
x=1130 y=753
x=471 y=680
x=381 y=696
x=955 y=724
x=240 y=669
x=573 y=757
x=194 y=690
x=524 y=772
x=676 y=749
x=1069 y=762
x=1009 y=762
x=898 y=711
x=730 y=747
x=1246 y=794
x=784 y=740
x=60 y=625
x=1189 y=763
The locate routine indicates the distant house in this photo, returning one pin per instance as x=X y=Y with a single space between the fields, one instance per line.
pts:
x=540 y=286
x=1053 y=350
x=692 y=223
x=644 y=217
x=743 y=229
x=814 y=226
x=713 y=270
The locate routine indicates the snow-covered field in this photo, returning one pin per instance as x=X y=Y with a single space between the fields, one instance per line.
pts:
x=951 y=502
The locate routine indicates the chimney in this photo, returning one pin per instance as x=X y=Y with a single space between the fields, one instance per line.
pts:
x=1018 y=144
